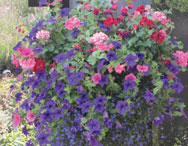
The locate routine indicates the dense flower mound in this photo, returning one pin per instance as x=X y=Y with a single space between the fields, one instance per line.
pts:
x=98 y=77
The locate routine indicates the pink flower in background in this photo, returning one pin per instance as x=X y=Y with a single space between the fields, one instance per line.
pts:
x=182 y=58
x=119 y=68
x=104 y=47
x=52 y=3
x=15 y=60
x=26 y=52
x=87 y=6
x=136 y=14
x=43 y=34
x=27 y=63
x=131 y=76
x=96 y=78
x=20 y=77
x=142 y=68
x=30 y=116
x=148 y=9
x=99 y=38
x=17 y=120
x=110 y=69
x=160 y=17
x=72 y=22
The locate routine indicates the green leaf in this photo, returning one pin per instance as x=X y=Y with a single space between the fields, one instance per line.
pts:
x=91 y=60
x=84 y=120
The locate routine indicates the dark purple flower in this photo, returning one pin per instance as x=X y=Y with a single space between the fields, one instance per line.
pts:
x=75 y=32
x=42 y=138
x=50 y=105
x=173 y=42
x=70 y=54
x=111 y=56
x=74 y=78
x=158 y=120
x=41 y=75
x=36 y=84
x=117 y=45
x=129 y=85
x=172 y=68
x=100 y=100
x=140 y=55
x=166 y=83
x=46 y=116
x=60 y=58
x=93 y=141
x=103 y=27
x=58 y=113
x=99 y=107
x=104 y=80
x=18 y=96
x=108 y=123
x=64 y=12
x=59 y=85
x=73 y=130
x=79 y=89
x=83 y=98
x=54 y=75
x=101 y=64
x=94 y=125
x=85 y=107
x=177 y=86
x=66 y=104
x=38 y=50
x=18 y=45
x=118 y=125
x=25 y=131
x=149 y=96
x=51 y=20
x=29 y=143
x=83 y=23
x=122 y=106
x=61 y=93
x=131 y=60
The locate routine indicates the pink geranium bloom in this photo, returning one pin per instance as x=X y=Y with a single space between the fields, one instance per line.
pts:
x=110 y=69
x=131 y=76
x=43 y=34
x=27 y=63
x=17 y=120
x=26 y=52
x=20 y=77
x=104 y=47
x=119 y=68
x=15 y=60
x=30 y=116
x=182 y=58
x=160 y=17
x=142 y=68
x=99 y=38
x=96 y=78
x=72 y=22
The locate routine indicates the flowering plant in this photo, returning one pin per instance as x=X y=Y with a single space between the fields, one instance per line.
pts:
x=96 y=77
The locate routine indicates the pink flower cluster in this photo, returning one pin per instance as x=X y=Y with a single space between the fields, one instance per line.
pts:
x=27 y=63
x=119 y=68
x=43 y=34
x=96 y=78
x=160 y=17
x=99 y=38
x=17 y=120
x=142 y=68
x=30 y=116
x=182 y=58
x=131 y=76
x=72 y=22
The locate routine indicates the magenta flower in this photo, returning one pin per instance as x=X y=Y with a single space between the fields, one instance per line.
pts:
x=142 y=68
x=43 y=34
x=30 y=116
x=131 y=76
x=27 y=63
x=72 y=23
x=17 y=120
x=96 y=78
x=119 y=68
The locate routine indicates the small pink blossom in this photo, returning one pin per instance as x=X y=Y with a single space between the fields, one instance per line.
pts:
x=17 y=120
x=96 y=78
x=119 y=68
x=136 y=14
x=104 y=47
x=15 y=60
x=26 y=52
x=131 y=76
x=53 y=3
x=160 y=17
x=182 y=58
x=87 y=6
x=30 y=116
x=99 y=38
x=27 y=63
x=43 y=34
x=20 y=77
x=142 y=68
x=148 y=9
x=110 y=69
x=72 y=22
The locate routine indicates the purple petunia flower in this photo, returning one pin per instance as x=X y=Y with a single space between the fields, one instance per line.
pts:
x=140 y=56
x=173 y=42
x=100 y=107
x=157 y=121
x=41 y=75
x=83 y=98
x=85 y=107
x=131 y=60
x=47 y=116
x=148 y=96
x=42 y=138
x=50 y=105
x=111 y=56
x=38 y=50
x=25 y=131
x=61 y=93
x=93 y=141
x=58 y=113
x=59 y=85
x=129 y=85
x=108 y=123
x=60 y=58
x=103 y=27
x=122 y=106
x=117 y=45
x=101 y=64
x=29 y=143
x=18 y=45
x=172 y=68
x=64 y=12
x=104 y=80
x=100 y=100
x=74 y=78
x=18 y=96
x=118 y=125
x=79 y=89
x=70 y=54
x=177 y=86
x=54 y=75
x=66 y=104
x=94 y=125
x=75 y=32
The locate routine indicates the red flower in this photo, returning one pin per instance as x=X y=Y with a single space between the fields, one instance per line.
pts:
x=145 y=21
x=124 y=11
x=52 y=65
x=39 y=66
x=141 y=9
x=110 y=21
x=158 y=36
x=96 y=11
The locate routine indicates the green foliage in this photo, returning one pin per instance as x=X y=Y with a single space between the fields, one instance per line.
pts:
x=178 y=5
